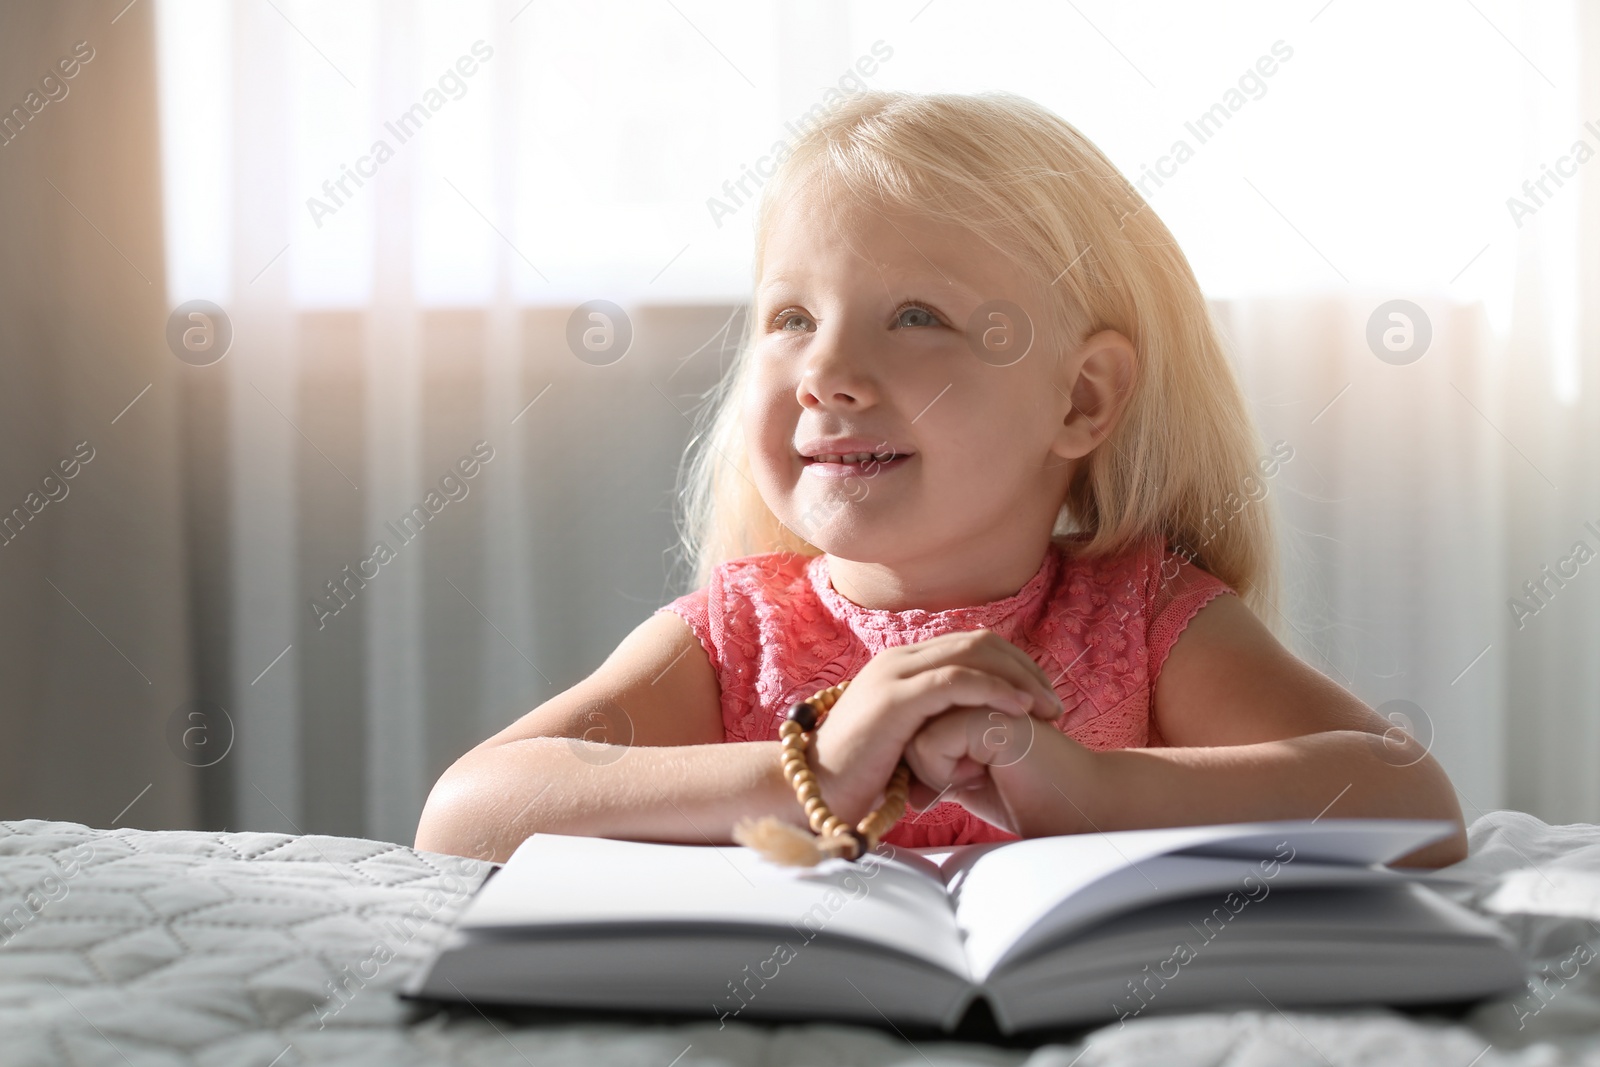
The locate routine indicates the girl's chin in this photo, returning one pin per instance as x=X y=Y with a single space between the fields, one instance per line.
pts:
x=855 y=545
x=860 y=527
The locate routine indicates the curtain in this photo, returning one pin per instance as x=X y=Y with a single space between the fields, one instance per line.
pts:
x=1391 y=508
x=1551 y=512
x=96 y=649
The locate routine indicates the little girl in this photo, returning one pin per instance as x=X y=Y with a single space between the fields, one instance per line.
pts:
x=981 y=454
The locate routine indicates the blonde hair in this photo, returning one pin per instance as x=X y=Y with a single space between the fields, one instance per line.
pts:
x=1040 y=192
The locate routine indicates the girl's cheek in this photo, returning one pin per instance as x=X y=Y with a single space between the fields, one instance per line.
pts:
x=764 y=404
x=769 y=424
x=766 y=390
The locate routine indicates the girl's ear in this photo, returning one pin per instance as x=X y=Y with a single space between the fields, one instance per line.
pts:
x=1093 y=384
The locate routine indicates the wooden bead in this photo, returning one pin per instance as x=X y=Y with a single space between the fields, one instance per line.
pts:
x=805 y=714
x=838 y=837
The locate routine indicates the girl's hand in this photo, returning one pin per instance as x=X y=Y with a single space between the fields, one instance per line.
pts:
x=953 y=754
x=868 y=730
x=1008 y=771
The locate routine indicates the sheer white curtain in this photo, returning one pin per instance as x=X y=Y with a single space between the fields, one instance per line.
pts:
x=393 y=306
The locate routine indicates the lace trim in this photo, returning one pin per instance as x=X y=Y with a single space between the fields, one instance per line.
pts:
x=982 y=616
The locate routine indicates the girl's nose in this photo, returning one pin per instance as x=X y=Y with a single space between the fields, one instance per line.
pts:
x=834 y=377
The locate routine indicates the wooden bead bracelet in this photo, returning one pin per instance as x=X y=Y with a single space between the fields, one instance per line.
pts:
x=830 y=835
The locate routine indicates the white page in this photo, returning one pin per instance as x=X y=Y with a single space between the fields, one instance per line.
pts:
x=1329 y=840
x=1221 y=885
x=1001 y=892
x=556 y=880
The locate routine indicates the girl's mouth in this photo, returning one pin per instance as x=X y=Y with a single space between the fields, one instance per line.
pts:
x=858 y=464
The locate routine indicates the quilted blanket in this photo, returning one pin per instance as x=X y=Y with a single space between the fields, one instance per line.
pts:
x=143 y=948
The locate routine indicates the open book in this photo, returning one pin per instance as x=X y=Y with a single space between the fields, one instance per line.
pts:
x=1050 y=931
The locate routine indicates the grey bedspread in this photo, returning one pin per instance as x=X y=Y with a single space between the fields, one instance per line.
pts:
x=136 y=947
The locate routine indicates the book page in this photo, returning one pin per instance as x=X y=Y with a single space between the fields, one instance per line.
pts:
x=1001 y=892
x=556 y=881
x=1223 y=885
x=1387 y=943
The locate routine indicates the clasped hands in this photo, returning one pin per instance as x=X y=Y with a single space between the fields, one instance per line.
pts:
x=972 y=716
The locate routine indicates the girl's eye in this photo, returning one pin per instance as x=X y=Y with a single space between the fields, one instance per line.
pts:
x=915 y=315
x=908 y=315
x=785 y=320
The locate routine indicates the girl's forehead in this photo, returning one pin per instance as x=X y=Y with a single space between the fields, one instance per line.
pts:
x=960 y=282
x=811 y=241
x=808 y=211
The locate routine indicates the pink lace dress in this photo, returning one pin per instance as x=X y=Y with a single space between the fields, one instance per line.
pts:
x=776 y=631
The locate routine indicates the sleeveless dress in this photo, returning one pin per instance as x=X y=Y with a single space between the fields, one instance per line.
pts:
x=776 y=631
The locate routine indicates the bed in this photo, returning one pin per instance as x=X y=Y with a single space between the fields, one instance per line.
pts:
x=144 y=947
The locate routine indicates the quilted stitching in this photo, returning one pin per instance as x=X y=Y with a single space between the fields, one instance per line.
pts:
x=178 y=944
x=188 y=948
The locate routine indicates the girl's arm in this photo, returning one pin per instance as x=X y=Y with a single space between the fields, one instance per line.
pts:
x=633 y=751
x=1256 y=734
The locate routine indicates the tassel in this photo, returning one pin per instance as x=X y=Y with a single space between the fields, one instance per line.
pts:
x=786 y=845
x=829 y=837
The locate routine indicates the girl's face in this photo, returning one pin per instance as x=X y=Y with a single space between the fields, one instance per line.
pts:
x=874 y=336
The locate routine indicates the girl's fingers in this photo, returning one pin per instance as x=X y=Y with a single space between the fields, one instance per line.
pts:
x=922 y=796
x=968 y=773
x=939 y=747
x=986 y=650
x=1049 y=706
x=931 y=692
x=1022 y=658
x=996 y=653
x=950 y=751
